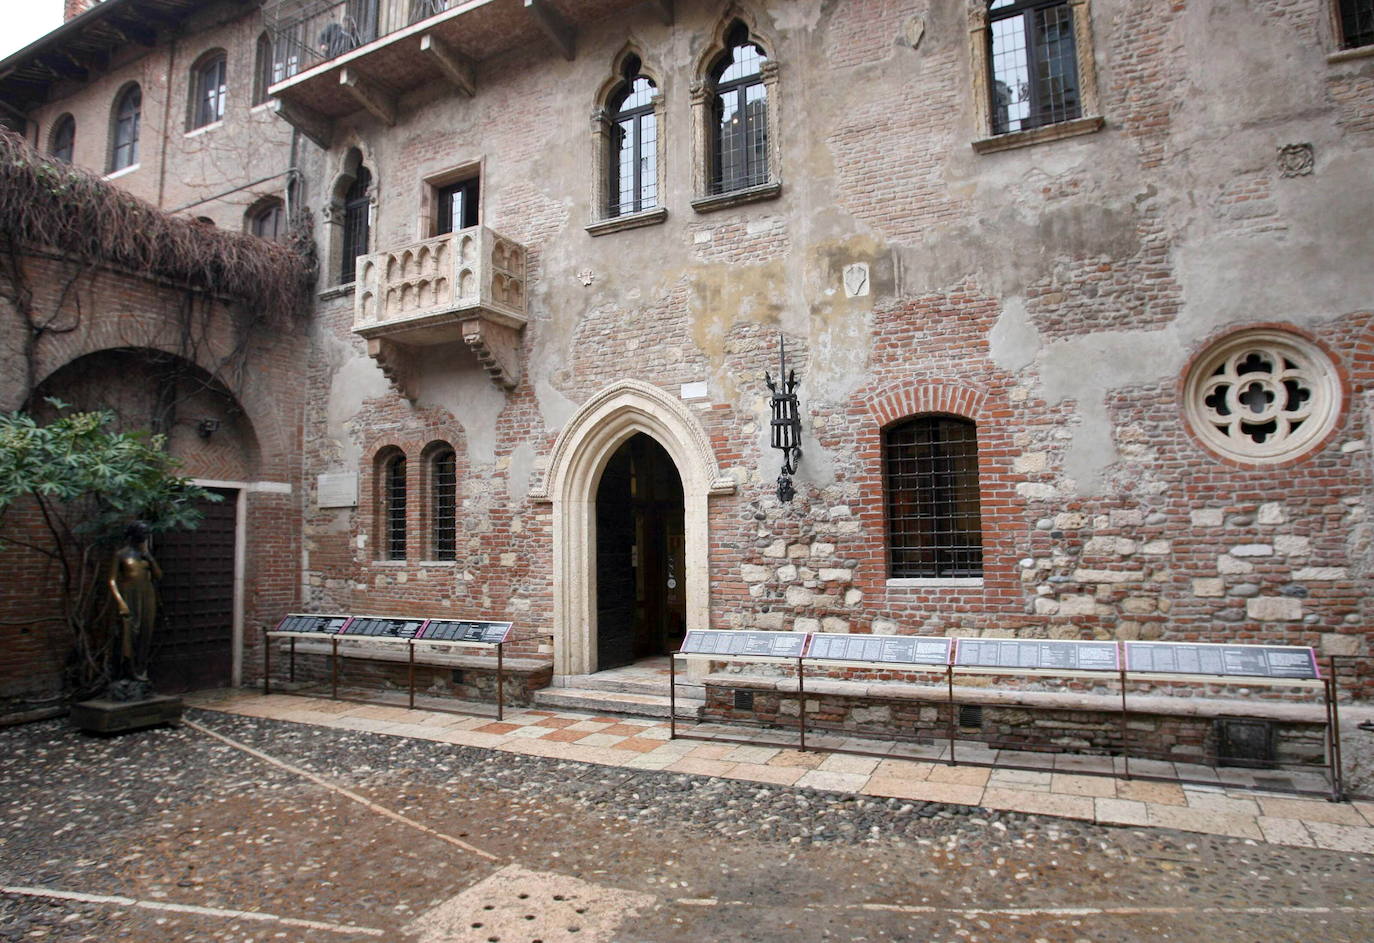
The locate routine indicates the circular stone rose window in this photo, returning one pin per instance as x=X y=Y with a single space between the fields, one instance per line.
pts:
x=1262 y=396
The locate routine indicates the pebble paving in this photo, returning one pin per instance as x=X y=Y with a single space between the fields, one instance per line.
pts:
x=172 y=816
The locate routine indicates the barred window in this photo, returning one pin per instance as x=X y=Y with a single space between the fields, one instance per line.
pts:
x=633 y=161
x=739 y=127
x=394 y=511
x=124 y=137
x=209 y=90
x=62 y=141
x=443 y=504
x=1357 y=23
x=1033 y=62
x=933 y=519
x=356 y=223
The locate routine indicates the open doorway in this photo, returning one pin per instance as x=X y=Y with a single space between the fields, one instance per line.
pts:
x=641 y=594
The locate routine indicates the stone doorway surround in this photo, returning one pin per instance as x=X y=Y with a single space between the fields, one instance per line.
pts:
x=583 y=448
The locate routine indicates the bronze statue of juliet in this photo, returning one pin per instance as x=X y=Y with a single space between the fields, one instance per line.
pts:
x=132 y=574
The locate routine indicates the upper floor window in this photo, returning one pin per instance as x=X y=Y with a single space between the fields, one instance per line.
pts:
x=209 y=89
x=1357 y=23
x=739 y=125
x=633 y=161
x=128 y=110
x=267 y=220
x=62 y=140
x=456 y=205
x=443 y=504
x=930 y=473
x=357 y=212
x=1033 y=63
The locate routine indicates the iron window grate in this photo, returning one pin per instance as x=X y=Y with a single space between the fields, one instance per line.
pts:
x=356 y=224
x=933 y=514
x=396 y=509
x=444 y=505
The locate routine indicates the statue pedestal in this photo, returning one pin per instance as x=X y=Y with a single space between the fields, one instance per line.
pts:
x=105 y=716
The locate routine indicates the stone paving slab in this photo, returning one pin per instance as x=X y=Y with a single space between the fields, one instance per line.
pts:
x=1060 y=789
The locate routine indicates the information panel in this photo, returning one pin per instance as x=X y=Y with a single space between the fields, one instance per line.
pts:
x=1030 y=654
x=721 y=642
x=312 y=624
x=384 y=627
x=887 y=649
x=455 y=630
x=1246 y=661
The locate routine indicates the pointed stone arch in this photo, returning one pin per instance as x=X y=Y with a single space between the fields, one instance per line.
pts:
x=580 y=454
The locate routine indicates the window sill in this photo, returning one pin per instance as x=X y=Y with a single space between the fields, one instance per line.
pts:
x=265 y=105
x=628 y=221
x=1051 y=132
x=196 y=132
x=935 y=582
x=116 y=174
x=1350 y=55
x=391 y=564
x=338 y=291
x=439 y=563
x=721 y=201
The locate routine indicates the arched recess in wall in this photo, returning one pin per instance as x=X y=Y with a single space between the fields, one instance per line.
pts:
x=579 y=456
x=206 y=427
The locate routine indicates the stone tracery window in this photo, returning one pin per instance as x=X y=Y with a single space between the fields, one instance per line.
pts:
x=633 y=157
x=1262 y=396
x=739 y=127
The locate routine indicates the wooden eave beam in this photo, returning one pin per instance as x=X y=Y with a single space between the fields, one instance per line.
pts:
x=554 y=26
x=314 y=125
x=65 y=66
x=134 y=30
x=455 y=67
x=378 y=101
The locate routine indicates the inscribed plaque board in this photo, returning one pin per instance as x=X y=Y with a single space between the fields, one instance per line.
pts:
x=455 y=630
x=722 y=642
x=886 y=649
x=384 y=627
x=1200 y=658
x=312 y=624
x=1032 y=654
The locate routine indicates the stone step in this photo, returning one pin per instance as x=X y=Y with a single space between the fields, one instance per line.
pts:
x=627 y=703
x=609 y=681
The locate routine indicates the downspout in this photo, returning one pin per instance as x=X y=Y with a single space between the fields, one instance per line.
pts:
x=166 y=125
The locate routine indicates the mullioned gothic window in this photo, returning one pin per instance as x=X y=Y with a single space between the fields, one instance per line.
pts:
x=357 y=215
x=627 y=149
x=930 y=477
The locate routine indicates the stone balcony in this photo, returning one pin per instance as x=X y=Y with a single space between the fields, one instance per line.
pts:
x=467 y=286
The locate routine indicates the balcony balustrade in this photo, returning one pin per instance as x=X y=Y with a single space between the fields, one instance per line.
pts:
x=466 y=286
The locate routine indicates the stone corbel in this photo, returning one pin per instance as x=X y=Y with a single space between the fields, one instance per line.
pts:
x=554 y=26
x=455 y=67
x=314 y=125
x=378 y=101
x=393 y=361
x=497 y=348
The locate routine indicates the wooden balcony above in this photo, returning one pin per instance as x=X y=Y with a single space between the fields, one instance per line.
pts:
x=467 y=286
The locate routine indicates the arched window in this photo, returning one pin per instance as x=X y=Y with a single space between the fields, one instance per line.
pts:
x=633 y=158
x=128 y=110
x=209 y=88
x=356 y=223
x=930 y=474
x=393 y=494
x=267 y=220
x=739 y=117
x=1033 y=64
x=62 y=140
x=443 y=504
x=262 y=69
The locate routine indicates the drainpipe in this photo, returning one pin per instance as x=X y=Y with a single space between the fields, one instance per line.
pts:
x=166 y=135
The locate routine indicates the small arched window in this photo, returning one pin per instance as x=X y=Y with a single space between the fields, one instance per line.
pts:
x=443 y=504
x=739 y=126
x=394 y=507
x=209 y=88
x=930 y=474
x=633 y=160
x=267 y=220
x=128 y=111
x=62 y=141
x=263 y=62
x=356 y=223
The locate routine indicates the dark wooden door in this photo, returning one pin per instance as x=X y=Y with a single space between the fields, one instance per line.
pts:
x=194 y=645
x=615 y=564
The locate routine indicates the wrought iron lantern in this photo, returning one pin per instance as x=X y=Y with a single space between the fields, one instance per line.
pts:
x=786 y=423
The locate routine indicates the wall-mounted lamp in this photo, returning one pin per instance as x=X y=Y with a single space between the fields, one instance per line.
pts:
x=786 y=424
x=207 y=427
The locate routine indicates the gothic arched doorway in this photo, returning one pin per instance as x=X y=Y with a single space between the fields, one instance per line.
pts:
x=641 y=595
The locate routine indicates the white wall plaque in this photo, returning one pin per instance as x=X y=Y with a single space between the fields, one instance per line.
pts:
x=695 y=390
x=856 y=280
x=337 y=490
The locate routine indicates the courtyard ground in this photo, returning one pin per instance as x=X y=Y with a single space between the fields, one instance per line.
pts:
x=250 y=828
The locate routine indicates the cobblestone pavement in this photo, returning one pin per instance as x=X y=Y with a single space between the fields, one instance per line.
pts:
x=339 y=835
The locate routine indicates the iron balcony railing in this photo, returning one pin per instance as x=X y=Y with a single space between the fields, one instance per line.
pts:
x=306 y=33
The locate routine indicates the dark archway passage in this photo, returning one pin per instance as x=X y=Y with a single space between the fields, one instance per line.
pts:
x=641 y=602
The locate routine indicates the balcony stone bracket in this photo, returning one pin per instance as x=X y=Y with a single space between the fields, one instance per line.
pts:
x=467 y=286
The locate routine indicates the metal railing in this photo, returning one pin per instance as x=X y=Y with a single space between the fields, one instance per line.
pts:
x=306 y=33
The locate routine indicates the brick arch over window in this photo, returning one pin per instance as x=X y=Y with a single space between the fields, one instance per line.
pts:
x=580 y=454
x=889 y=406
